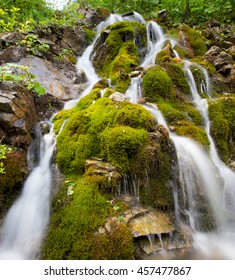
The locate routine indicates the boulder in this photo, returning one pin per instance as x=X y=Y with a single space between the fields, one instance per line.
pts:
x=119 y=97
x=18 y=114
x=57 y=81
x=212 y=53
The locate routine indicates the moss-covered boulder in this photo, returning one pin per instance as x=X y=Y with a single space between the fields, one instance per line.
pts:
x=77 y=215
x=116 y=52
x=157 y=84
x=192 y=40
x=90 y=132
x=222 y=116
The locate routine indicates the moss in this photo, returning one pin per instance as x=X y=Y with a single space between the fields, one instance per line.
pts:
x=83 y=103
x=82 y=134
x=155 y=162
x=182 y=52
x=195 y=39
x=116 y=53
x=171 y=114
x=120 y=144
x=157 y=85
x=108 y=92
x=189 y=129
x=192 y=113
x=101 y=84
x=222 y=116
x=89 y=34
x=15 y=169
x=179 y=79
x=162 y=56
x=206 y=64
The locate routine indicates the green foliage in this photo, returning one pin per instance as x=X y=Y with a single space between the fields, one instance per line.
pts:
x=33 y=45
x=20 y=74
x=157 y=85
x=3 y=151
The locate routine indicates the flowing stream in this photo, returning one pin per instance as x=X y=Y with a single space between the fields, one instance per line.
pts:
x=25 y=224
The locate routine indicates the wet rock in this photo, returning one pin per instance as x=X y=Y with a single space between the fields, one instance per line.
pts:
x=135 y=74
x=162 y=16
x=119 y=97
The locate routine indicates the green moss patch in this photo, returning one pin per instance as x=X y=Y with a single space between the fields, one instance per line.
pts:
x=222 y=116
x=157 y=85
x=84 y=131
x=76 y=217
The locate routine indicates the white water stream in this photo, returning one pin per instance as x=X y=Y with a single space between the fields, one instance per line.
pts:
x=26 y=222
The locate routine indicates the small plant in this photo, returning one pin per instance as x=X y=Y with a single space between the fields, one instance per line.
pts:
x=20 y=74
x=33 y=45
x=3 y=151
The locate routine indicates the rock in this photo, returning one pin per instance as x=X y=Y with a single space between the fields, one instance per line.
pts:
x=119 y=97
x=222 y=59
x=56 y=81
x=47 y=105
x=232 y=165
x=7 y=38
x=162 y=16
x=154 y=222
x=93 y=17
x=226 y=44
x=105 y=174
x=212 y=23
x=12 y=54
x=135 y=74
x=74 y=39
x=212 y=53
x=18 y=114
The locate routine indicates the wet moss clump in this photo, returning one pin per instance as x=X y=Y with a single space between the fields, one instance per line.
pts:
x=222 y=116
x=84 y=133
x=178 y=77
x=157 y=85
x=116 y=54
x=76 y=217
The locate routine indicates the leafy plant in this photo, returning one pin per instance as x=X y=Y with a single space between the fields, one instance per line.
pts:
x=20 y=74
x=33 y=45
x=3 y=151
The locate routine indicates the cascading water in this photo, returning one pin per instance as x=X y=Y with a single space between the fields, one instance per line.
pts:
x=197 y=169
x=26 y=222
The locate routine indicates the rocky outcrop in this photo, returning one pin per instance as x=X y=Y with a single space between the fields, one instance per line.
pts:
x=18 y=114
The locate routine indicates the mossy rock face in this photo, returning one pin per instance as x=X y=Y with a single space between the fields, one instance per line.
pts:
x=116 y=53
x=84 y=134
x=193 y=39
x=157 y=85
x=189 y=129
x=76 y=215
x=222 y=116
x=178 y=76
x=15 y=170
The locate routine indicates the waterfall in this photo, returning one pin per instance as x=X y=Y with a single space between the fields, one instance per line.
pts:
x=227 y=174
x=26 y=222
x=198 y=170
